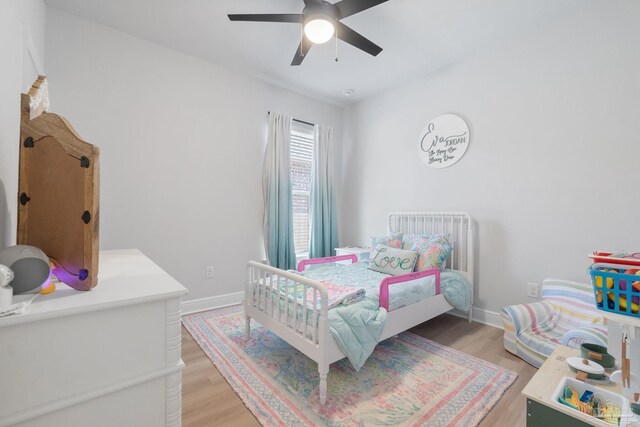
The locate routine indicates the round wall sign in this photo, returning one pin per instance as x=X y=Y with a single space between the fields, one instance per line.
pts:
x=443 y=141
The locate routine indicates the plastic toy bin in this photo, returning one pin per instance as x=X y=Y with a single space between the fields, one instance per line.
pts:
x=615 y=291
x=604 y=396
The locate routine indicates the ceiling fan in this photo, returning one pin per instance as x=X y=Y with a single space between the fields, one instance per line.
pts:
x=320 y=20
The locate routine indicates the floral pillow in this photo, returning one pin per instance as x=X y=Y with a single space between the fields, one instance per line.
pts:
x=409 y=239
x=432 y=252
x=392 y=240
x=392 y=261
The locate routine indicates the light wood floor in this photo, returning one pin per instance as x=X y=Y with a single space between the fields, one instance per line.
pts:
x=207 y=399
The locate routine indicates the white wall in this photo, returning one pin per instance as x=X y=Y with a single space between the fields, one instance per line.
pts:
x=552 y=171
x=182 y=143
x=20 y=22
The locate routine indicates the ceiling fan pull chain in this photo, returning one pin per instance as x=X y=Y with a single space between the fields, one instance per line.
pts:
x=336 y=36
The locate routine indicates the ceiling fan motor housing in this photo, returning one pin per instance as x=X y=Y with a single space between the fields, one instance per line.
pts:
x=322 y=10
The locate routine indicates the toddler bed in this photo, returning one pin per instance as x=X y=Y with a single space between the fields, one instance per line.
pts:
x=295 y=305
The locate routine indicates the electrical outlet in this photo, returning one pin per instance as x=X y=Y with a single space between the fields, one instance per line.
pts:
x=533 y=290
x=209 y=272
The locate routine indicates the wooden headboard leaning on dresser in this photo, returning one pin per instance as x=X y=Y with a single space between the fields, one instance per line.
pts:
x=58 y=190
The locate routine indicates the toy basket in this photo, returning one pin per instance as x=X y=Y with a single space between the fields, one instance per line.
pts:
x=616 y=291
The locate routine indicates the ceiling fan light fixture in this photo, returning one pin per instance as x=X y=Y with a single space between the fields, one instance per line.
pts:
x=318 y=29
x=319 y=21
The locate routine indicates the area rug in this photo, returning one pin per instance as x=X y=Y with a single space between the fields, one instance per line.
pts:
x=407 y=381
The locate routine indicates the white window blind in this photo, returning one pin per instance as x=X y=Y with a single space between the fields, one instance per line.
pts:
x=301 y=162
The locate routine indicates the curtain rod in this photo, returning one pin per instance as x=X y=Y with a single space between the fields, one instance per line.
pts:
x=296 y=120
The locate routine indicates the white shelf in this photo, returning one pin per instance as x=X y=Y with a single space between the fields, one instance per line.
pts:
x=360 y=252
x=620 y=318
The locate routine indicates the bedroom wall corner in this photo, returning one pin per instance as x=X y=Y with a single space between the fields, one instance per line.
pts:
x=22 y=29
x=182 y=143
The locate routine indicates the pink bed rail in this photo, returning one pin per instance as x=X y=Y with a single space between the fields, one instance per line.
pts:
x=302 y=264
x=384 y=285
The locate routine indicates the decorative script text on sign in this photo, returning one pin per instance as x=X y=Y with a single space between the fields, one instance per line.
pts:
x=443 y=141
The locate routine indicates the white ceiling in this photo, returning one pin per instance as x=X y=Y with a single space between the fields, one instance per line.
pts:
x=418 y=37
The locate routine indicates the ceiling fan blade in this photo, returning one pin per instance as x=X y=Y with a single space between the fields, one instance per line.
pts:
x=312 y=2
x=346 y=8
x=295 y=18
x=346 y=34
x=302 y=51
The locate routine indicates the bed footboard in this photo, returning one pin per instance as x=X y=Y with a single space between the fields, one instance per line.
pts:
x=293 y=307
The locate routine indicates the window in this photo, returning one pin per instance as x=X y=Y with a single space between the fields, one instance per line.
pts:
x=301 y=163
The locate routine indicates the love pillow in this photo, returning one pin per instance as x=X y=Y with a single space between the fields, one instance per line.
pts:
x=392 y=261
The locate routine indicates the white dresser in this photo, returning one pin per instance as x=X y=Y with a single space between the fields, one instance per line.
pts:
x=107 y=357
x=360 y=252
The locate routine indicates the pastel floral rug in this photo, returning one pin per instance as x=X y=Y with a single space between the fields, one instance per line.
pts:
x=407 y=381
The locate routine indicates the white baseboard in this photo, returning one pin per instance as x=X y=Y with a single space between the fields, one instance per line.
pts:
x=210 y=303
x=481 y=315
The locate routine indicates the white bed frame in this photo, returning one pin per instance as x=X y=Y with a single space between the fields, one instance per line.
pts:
x=310 y=333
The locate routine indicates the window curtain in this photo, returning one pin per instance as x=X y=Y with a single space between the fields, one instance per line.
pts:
x=276 y=187
x=324 y=228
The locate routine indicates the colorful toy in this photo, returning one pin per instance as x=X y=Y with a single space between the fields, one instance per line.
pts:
x=609 y=281
x=570 y=398
x=635 y=285
x=622 y=301
x=50 y=287
x=610 y=412
x=622 y=287
x=589 y=404
x=623 y=282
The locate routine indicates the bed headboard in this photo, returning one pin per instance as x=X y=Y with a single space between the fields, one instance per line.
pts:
x=458 y=224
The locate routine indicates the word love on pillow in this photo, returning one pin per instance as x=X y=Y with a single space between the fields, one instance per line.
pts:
x=392 y=261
